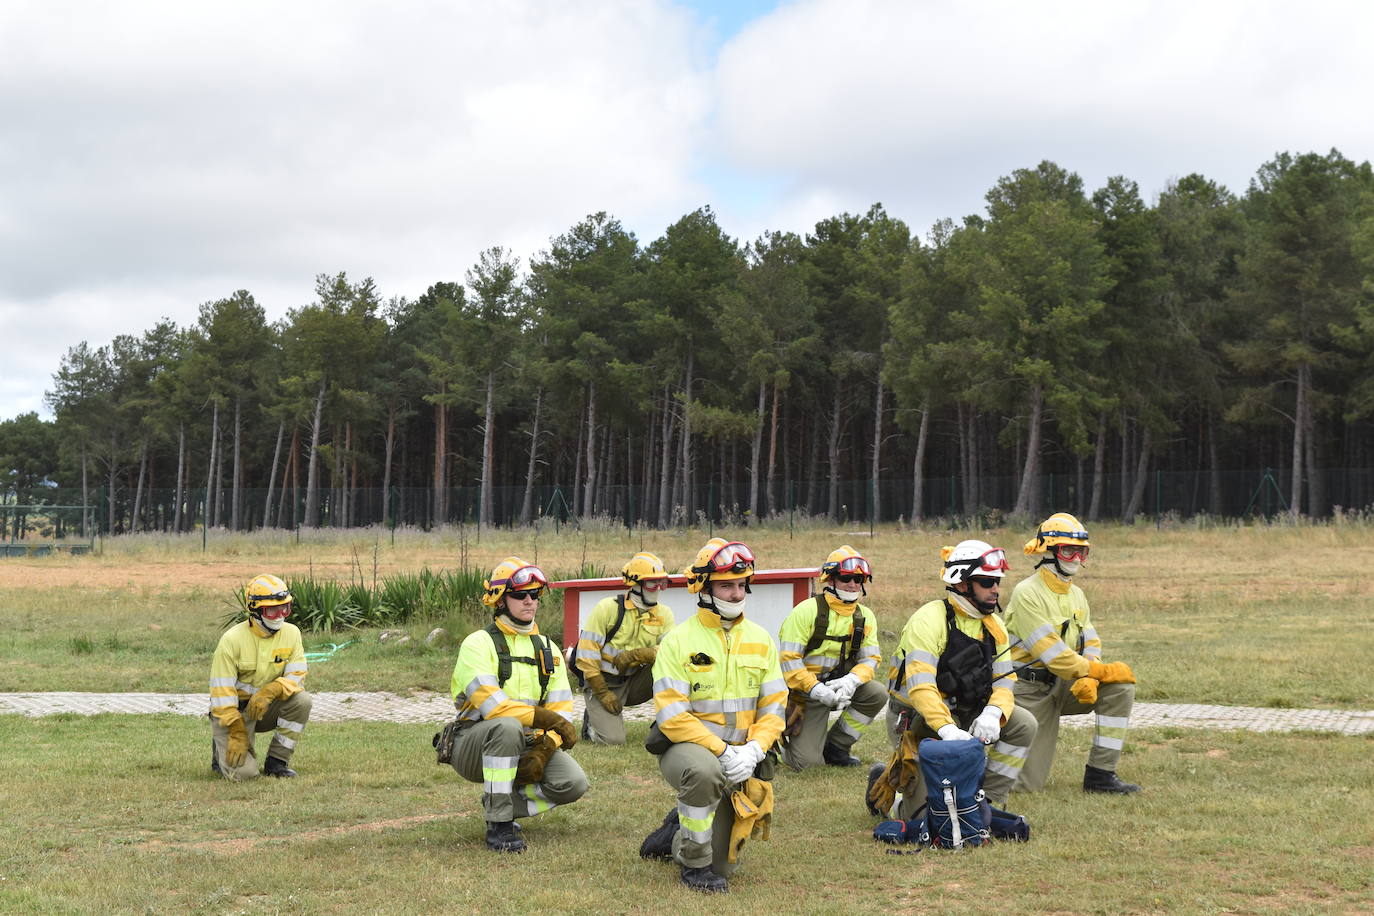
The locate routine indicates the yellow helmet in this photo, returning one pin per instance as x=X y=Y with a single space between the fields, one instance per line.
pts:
x=641 y=566
x=1060 y=528
x=511 y=574
x=845 y=559
x=265 y=591
x=719 y=559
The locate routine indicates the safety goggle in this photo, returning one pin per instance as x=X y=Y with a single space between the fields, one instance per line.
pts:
x=654 y=585
x=732 y=557
x=1071 y=551
x=854 y=565
x=995 y=560
x=522 y=577
x=276 y=611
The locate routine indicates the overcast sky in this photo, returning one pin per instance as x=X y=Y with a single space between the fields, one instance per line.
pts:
x=157 y=155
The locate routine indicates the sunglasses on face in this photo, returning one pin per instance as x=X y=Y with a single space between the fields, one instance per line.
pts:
x=530 y=593
x=845 y=577
x=985 y=581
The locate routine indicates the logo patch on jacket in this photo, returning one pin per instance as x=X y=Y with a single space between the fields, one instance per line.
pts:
x=280 y=655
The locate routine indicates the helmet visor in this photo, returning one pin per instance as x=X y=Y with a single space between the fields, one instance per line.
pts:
x=523 y=577
x=732 y=557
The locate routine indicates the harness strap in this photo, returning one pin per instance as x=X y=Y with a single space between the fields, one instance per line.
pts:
x=850 y=644
x=543 y=659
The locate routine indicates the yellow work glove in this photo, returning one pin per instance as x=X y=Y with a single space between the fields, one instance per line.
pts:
x=551 y=721
x=630 y=659
x=1085 y=690
x=237 y=748
x=530 y=769
x=1112 y=673
x=266 y=695
x=608 y=699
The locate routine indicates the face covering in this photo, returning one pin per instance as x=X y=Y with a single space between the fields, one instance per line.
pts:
x=272 y=625
x=1067 y=569
x=847 y=596
x=644 y=598
x=728 y=610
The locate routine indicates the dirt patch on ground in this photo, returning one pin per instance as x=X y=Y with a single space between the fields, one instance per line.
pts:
x=247 y=844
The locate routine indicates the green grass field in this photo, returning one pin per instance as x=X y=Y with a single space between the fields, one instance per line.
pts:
x=120 y=813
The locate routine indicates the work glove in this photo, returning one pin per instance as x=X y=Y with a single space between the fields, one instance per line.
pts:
x=952 y=732
x=987 y=728
x=1111 y=673
x=736 y=763
x=755 y=752
x=551 y=721
x=844 y=687
x=630 y=659
x=604 y=695
x=822 y=693
x=237 y=749
x=265 y=697
x=1084 y=690
x=530 y=769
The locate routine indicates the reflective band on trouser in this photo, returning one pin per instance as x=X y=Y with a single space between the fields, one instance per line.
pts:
x=498 y=782
x=534 y=801
x=291 y=715
x=695 y=823
x=1113 y=709
x=849 y=727
x=1008 y=754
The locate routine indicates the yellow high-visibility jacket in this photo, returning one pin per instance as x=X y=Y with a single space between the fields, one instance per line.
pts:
x=249 y=657
x=802 y=673
x=713 y=686
x=639 y=630
x=478 y=694
x=923 y=641
x=1050 y=626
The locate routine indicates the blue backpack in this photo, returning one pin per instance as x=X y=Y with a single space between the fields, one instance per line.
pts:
x=956 y=811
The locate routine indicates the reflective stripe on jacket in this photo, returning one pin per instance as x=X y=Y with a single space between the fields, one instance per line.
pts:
x=478 y=693
x=245 y=661
x=639 y=630
x=1049 y=625
x=713 y=686
x=923 y=641
x=802 y=673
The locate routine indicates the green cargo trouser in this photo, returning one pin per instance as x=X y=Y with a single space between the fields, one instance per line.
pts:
x=489 y=751
x=609 y=728
x=806 y=748
x=285 y=718
x=704 y=810
x=1047 y=702
x=1006 y=757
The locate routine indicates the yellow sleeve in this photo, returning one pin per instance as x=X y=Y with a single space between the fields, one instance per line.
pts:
x=475 y=684
x=792 y=637
x=771 y=715
x=1003 y=678
x=293 y=674
x=923 y=641
x=591 y=639
x=224 y=676
x=672 y=700
x=1035 y=622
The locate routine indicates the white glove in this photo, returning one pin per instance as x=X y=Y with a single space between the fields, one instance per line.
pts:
x=844 y=687
x=952 y=732
x=756 y=752
x=987 y=728
x=822 y=693
x=736 y=763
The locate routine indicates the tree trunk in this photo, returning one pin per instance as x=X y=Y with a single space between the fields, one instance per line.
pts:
x=1214 y=497
x=210 y=472
x=1299 y=429
x=272 y=476
x=1125 y=462
x=1099 y=466
x=488 y=444
x=181 y=476
x=833 y=455
x=85 y=494
x=965 y=459
x=236 y=491
x=918 y=477
x=527 y=502
x=312 y=476
x=1141 y=477
x=665 y=504
x=688 y=497
x=138 y=490
x=589 y=487
x=756 y=449
x=1026 y=502
x=773 y=455
x=1316 y=495
x=440 y=461
x=292 y=465
x=389 y=449
x=876 y=513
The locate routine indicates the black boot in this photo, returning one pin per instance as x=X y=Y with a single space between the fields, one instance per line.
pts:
x=273 y=766
x=704 y=880
x=873 y=773
x=1095 y=780
x=659 y=844
x=504 y=836
x=214 y=760
x=837 y=756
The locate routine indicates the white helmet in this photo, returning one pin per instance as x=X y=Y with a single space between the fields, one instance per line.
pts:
x=972 y=558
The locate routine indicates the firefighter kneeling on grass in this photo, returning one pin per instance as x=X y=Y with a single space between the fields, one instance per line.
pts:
x=830 y=654
x=514 y=710
x=617 y=647
x=951 y=679
x=720 y=698
x=255 y=686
